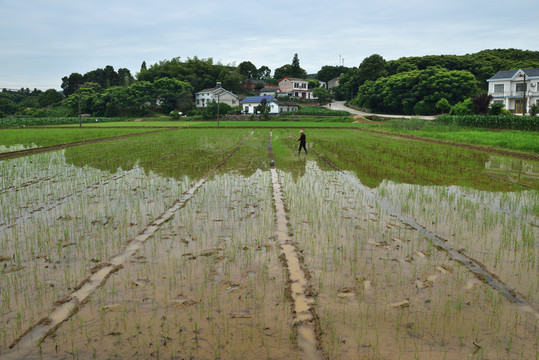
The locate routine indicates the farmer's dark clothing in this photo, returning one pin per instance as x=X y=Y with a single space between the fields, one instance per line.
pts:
x=302 y=142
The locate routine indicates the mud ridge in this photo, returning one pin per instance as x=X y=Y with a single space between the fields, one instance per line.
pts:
x=69 y=304
x=478 y=269
x=306 y=324
x=26 y=184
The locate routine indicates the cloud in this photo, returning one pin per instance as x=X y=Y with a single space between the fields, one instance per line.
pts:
x=55 y=37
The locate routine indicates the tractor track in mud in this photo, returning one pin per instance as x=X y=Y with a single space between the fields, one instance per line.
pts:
x=20 y=153
x=299 y=291
x=27 y=184
x=476 y=267
x=64 y=308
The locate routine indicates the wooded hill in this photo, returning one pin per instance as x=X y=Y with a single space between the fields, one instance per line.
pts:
x=406 y=82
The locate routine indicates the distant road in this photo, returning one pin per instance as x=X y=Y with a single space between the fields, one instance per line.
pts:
x=339 y=105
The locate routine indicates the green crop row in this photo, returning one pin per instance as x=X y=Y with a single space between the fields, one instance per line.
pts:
x=16 y=121
x=318 y=111
x=512 y=122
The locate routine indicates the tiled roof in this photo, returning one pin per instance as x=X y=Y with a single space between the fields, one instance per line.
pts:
x=508 y=74
x=285 y=103
x=256 y=99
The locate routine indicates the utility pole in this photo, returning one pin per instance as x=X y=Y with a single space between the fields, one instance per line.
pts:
x=524 y=94
x=218 y=109
x=80 y=117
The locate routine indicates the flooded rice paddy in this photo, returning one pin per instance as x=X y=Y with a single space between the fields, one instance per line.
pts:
x=225 y=244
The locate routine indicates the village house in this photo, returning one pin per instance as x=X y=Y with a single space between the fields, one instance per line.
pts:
x=517 y=90
x=249 y=104
x=295 y=87
x=333 y=83
x=267 y=91
x=217 y=94
x=277 y=106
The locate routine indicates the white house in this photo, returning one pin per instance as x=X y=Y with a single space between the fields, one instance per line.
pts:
x=517 y=90
x=217 y=94
x=249 y=104
x=280 y=107
x=276 y=106
x=295 y=87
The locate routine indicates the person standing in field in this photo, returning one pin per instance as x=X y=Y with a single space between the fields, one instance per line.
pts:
x=302 y=141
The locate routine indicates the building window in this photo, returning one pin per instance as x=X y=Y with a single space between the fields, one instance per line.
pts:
x=498 y=101
x=498 y=89
x=521 y=87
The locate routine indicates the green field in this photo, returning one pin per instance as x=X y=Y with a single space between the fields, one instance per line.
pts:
x=175 y=245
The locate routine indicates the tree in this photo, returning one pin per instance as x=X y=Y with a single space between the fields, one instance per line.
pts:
x=213 y=108
x=290 y=70
x=124 y=77
x=167 y=91
x=371 y=68
x=327 y=72
x=399 y=93
x=71 y=84
x=313 y=84
x=463 y=108
x=496 y=108
x=443 y=105
x=49 y=97
x=264 y=72
x=481 y=103
x=322 y=94
x=263 y=109
x=248 y=70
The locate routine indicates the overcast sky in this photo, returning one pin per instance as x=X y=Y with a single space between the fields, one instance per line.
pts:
x=42 y=41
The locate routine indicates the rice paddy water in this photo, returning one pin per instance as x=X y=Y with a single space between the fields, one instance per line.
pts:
x=220 y=243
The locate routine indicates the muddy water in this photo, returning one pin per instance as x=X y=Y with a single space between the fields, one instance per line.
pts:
x=384 y=291
x=208 y=284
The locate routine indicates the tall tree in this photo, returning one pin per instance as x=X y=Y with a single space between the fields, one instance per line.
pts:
x=71 y=84
x=248 y=69
x=371 y=68
x=290 y=70
x=328 y=72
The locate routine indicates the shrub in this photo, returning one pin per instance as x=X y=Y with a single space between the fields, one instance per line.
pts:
x=462 y=108
x=424 y=108
x=443 y=105
x=496 y=109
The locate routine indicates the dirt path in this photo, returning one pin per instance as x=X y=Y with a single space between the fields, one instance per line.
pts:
x=299 y=290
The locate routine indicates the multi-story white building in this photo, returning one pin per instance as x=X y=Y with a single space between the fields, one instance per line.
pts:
x=218 y=94
x=517 y=90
